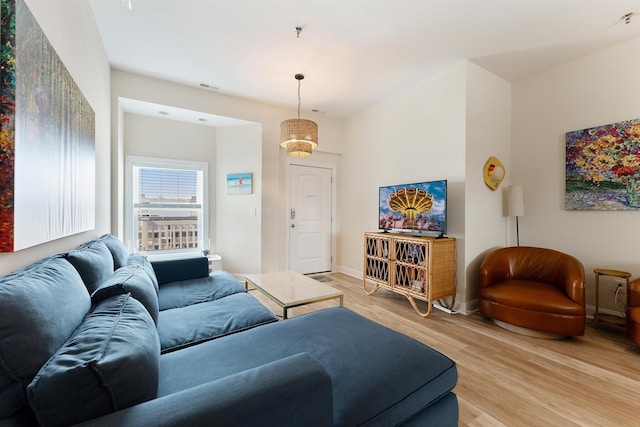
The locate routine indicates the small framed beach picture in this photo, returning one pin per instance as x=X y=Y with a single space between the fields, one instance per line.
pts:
x=239 y=183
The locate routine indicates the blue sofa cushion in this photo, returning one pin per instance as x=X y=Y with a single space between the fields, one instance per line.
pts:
x=143 y=262
x=94 y=262
x=216 y=285
x=173 y=270
x=110 y=363
x=379 y=377
x=40 y=307
x=117 y=249
x=181 y=327
x=130 y=279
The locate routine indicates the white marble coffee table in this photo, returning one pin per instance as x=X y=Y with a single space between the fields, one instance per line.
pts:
x=289 y=289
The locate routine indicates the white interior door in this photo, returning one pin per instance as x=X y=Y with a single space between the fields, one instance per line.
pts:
x=310 y=210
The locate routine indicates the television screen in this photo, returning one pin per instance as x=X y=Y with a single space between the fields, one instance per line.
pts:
x=418 y=207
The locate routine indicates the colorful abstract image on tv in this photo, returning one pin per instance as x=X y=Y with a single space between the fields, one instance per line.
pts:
x=418 y=207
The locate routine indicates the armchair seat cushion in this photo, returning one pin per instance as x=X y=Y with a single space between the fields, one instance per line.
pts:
x=531 y=296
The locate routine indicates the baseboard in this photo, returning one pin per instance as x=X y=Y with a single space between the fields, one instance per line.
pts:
x=592 y=309
x=357 y=274
x=472 y=306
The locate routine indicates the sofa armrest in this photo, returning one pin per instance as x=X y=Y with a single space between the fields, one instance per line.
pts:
x=173 y=270
x=293 y=391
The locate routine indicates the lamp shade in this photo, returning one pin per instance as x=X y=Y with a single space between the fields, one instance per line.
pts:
x=299 y=137
x=515 y=194
x=298 y=149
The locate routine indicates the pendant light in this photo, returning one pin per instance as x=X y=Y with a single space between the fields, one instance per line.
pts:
x=298 y=136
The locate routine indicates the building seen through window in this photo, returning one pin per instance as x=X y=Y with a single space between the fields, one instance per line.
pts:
x=168 y=208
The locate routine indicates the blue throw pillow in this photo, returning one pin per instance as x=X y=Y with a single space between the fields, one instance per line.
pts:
x=110 y=363
x=143 y=262
x=94 y=262
x=40 y=307
x=130 y=279
x=117 y=249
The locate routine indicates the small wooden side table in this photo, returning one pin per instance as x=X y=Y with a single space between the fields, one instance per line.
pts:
x=606 y=272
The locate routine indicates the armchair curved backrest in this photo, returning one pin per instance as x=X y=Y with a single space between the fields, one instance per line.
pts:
x=533 y=289
x=536 y=265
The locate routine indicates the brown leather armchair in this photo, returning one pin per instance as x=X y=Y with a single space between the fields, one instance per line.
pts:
x=633 y=311
x=535 y=291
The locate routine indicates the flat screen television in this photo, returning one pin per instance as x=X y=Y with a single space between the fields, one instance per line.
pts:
x=419 y=207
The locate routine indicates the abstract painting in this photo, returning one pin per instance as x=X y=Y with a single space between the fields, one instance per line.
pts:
x=47 y=150
x=603 y=167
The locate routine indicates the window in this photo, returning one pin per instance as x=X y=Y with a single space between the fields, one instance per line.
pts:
x=167 y=205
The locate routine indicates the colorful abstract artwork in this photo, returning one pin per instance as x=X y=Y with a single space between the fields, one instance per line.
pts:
x=603 y=167
x=47 y=151
x=7 y=114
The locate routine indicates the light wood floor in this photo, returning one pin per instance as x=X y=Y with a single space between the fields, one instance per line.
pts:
x=506 y=379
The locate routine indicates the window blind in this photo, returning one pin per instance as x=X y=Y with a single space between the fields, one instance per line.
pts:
x=167 y=188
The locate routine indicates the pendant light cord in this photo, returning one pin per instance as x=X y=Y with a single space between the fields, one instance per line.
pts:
x=299 y=100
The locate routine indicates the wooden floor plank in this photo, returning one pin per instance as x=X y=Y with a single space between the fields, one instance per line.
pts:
x=506 y=379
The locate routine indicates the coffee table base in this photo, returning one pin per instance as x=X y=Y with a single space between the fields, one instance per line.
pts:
x=286 y=308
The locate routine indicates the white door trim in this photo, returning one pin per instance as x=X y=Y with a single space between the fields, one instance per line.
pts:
x=290 y=161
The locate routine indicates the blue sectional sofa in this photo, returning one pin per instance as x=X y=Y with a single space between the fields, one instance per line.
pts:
x=187 y=304
x=96 y=337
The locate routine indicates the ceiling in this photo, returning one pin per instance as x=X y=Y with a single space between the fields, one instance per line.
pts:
x=353 y=53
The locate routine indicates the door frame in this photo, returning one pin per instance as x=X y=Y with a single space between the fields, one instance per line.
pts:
x=287 y=208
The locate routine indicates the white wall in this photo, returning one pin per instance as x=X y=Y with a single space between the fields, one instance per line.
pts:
x=169 y=139
x=234 y=231
x=488 y=133
x=597 y=89
x=272 y=243
x=430 y=131
x=416 y=135
x=238 y=230
x=74 y=36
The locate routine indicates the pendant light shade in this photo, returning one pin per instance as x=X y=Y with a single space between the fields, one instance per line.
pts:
x=298 y=136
